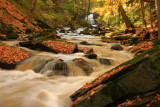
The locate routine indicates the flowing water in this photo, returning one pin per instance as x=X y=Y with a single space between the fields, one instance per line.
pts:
x=30 y=89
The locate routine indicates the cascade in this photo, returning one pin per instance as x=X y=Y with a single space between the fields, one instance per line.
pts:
x=48 y=79
x=91 y=20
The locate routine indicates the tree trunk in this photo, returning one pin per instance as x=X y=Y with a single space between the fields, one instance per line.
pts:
x=157 y=3
x=34 y=6
x=150 y=11
x=143 y=13
x=124 y=17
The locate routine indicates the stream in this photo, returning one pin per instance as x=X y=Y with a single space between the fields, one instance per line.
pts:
x=30 y=89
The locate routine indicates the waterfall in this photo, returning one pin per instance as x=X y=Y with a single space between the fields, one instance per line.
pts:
x=91 y=20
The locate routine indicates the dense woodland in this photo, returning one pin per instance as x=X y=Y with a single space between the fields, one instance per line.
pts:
x=114 y=13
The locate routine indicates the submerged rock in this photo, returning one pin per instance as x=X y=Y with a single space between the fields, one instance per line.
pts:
x=35 y=63
x=137 y=77
x=117 y=47
x=84 y=65
x=84 y=43
x=85 y=50
x=91 y=56
x=61 y=68
x=105 y=61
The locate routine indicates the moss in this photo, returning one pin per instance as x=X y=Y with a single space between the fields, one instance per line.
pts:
x=138 y=78
x=42 y=24
x=8 y=30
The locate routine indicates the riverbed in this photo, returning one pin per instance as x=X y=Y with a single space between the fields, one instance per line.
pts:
x=30 y=89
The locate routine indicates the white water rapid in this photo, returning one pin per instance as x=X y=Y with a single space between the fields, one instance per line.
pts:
x=30 y=89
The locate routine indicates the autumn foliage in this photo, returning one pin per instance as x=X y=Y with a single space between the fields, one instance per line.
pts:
x=104 y=76
x=130 y=102
x=77 y=100
x=11 y=55
x=154 y=100
x=61 y=46
x=142 y=47
x=10 y=14
x=85 y=49
x=91 y=92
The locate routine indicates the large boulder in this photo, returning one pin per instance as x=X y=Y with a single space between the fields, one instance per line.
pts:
x=61 y=46
x=43 y=36
x=10 y=56
x=52 y=46
x=136 y=81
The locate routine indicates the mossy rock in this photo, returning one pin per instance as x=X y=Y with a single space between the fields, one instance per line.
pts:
x=8 y=30
x=3 y=38
x=7 y=66
x=37 y=46
x=42 y=24
x=43 y=36
x=139 y=76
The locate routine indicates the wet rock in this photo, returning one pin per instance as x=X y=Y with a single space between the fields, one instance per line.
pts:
x=39 y=64
x=42 y=47
x=43 y=36
x=86 y=32
x=137 y=77
x=55 y=67
x=61 y=68
x=36 y=63
x=29 y=45
x=84 y=65
x=105 y=61
x=117 y=47
x=48 y=68
x=62 y=31
x=91 y=56
x=85 y=50
x=83 y=43
x=10 y=56
x=37 y=46
x=7 y=66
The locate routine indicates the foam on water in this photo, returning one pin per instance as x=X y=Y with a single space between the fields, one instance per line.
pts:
x=30 y=89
